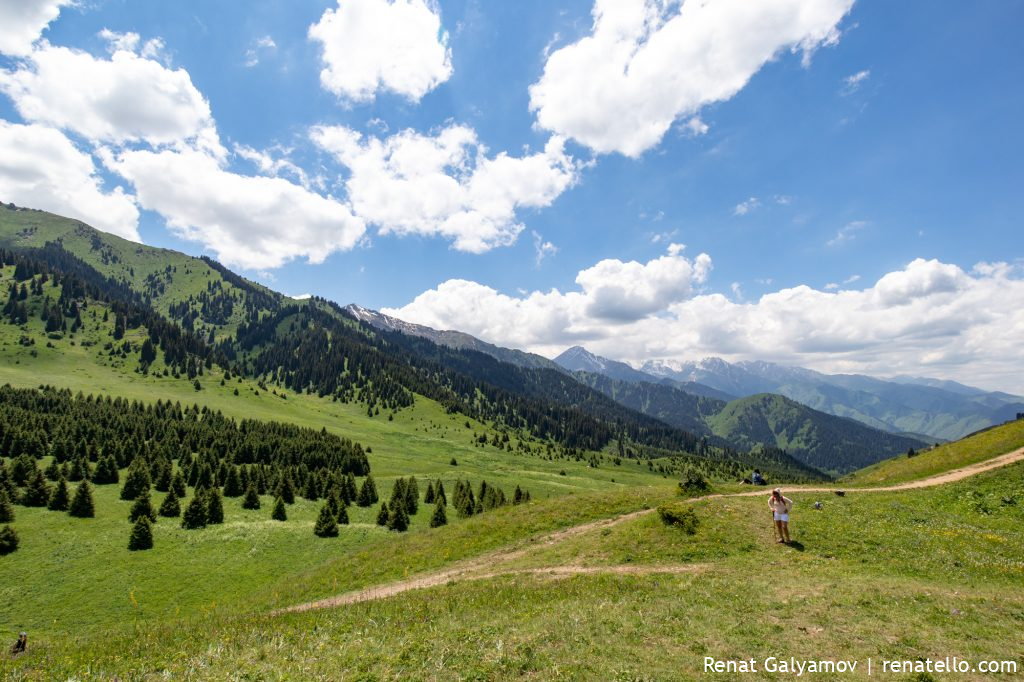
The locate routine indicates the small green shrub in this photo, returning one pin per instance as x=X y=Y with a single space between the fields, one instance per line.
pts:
x=8 y=540
x=679 y=516
x=693 y=484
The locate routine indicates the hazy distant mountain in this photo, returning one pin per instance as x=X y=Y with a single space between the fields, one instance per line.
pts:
x=452 y=339
x=934 y=408
x=826 y=442
x=579 y=359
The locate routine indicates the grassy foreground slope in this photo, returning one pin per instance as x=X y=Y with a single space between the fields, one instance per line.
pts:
x=898 y=576
x=976 y=448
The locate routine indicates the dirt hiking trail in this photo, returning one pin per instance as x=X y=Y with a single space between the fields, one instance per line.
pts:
x=482 y=567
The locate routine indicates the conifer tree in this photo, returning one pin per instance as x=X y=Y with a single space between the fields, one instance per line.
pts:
x=412 y=496
x=517 y=496
x=326 y=525
x=214 y=507
x=8 y=540
x=195 y=513
x=440 y=517
x=60 y=500
x=309 y=490
x=280 y=513
x=6 y=483
x=178 y=484
x=106 y=471
x=398 y=519
x=162 y=481
x=428 y=496
x=334 y=502
x=81 y=504
x=76 y=472
x=439 y=492
x=382 y=514
x=204 y=479
x=136 y=480
x=233 y=483
x=285 y=489
x=349 y=492
x=37 y=492
x=171 y=506
x=52 y=470
x=142 y=506
x=367 y=493
x=142 y=534
x=6 y=508
x=342 y=515
x=251 y=499
x=398 y=498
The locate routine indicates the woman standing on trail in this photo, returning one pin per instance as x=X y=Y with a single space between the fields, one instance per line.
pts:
x=780 y=507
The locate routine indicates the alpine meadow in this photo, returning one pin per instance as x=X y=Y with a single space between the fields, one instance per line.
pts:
x=636 y=340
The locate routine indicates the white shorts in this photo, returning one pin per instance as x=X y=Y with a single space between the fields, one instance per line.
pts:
x=782 y=517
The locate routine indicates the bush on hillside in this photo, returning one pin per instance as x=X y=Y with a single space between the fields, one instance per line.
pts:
x=8 y=540
x=679 y=516
x=693 y=484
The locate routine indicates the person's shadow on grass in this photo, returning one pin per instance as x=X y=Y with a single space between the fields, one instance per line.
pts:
x=797 y=545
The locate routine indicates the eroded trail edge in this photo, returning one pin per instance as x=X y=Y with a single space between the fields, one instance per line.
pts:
x=482 y=567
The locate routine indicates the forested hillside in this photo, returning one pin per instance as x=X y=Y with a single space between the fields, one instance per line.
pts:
x=820 y=440
x=202 y=315
x=828 y=443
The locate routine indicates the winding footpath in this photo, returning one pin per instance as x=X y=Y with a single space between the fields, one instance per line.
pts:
x=482 y=567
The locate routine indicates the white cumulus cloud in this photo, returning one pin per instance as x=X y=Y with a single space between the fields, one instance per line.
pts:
x=373 y=45
x=41 y=168
x=126 y=98
x=647 y=63
x=250 y=221
x=446 y=184
x=928 y=318
x=23 y=21
x=610 y=294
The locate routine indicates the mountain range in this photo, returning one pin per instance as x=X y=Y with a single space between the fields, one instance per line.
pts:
x=793 y=421
x=186 y=314
x=930 y=408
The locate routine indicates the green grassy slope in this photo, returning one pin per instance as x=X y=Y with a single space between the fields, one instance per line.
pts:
x=898 y=576
x=981 y=446
x=166 y=276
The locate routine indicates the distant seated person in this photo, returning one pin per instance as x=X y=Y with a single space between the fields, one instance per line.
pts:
x=757 y=478
x=21 y=644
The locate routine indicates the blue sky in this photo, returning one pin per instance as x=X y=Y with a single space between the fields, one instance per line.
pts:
x=855 y=172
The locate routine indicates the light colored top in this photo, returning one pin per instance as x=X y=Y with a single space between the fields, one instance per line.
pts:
x=779 y=506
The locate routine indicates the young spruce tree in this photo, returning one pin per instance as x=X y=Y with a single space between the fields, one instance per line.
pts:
x=136 y=480
x=382 y=514
x=171 y=506
x=280 y=513
x=6 y=508
x=195 y=513
x=60 y=500
x=251 y=499
x=214 y=506
x=81 y=504
x=8 y=540
x=142 y=534
x=37 y=493
x=398 y=519
x=367 y=493
x=142 y=506
x=412 y=496
x=440 y=517
x=326 y=525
